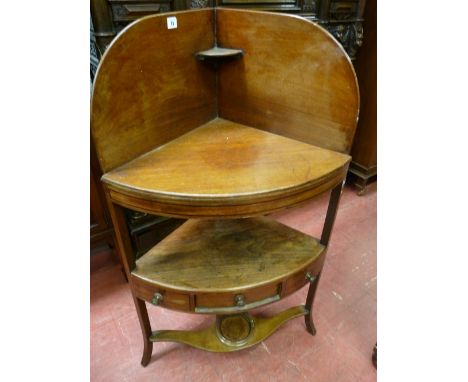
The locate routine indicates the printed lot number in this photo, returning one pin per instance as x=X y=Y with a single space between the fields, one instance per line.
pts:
x=172 y=22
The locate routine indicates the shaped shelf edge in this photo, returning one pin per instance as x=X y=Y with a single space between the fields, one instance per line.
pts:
x=217 y=53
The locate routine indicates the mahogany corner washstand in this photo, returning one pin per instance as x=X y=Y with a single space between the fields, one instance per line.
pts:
x=222 y=116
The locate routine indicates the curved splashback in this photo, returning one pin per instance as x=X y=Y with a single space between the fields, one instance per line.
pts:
x=293 y=79
x=150 y=89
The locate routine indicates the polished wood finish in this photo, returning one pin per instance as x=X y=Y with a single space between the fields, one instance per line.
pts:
x=223 y=211
x=251 y=92
x=342 y=18
x=145 y=325
x=210 y=339
x=111 y=16
x=227 y=154
x=218 y=52
x=364 y=165
x=213 y=261
x=160 y=112
x=138 y=103
x=211 y=255
x=108 y=18
x=330 y=217
x=124 y=246
x=332 y=210
x=121 y=236
x=308 y=318
x=194 y=161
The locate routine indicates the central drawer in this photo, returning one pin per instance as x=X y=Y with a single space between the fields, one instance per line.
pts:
x=237 y=301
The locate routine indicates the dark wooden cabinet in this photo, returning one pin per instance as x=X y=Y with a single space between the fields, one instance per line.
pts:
x=363 y=168
x=342 y=18
x=101 y=226
x=111 y=16
x=146 y=230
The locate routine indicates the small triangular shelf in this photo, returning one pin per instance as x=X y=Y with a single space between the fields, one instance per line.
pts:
x=217 y=53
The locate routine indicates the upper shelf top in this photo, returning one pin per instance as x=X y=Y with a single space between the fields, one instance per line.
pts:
x=289 y=110
x=150 y=87
x=224 y=168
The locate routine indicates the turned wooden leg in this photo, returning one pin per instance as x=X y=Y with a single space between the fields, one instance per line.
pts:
x=145 y=329
x=310 y=304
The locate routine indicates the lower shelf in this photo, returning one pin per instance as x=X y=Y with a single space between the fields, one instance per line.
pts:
x=227 y=266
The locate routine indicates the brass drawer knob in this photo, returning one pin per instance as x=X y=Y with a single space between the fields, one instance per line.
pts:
x=240 y=301
x=309 y=277
x=157 y=298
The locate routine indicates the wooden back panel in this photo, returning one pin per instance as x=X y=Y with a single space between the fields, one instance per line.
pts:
x=294 y=80
x=149 y=88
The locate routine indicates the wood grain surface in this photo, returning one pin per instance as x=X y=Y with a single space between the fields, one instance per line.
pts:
x=294 y=79
x=177 y=137
x=227 y=255
x=219 y=52
x=209 y=338
x=224 y=211
x=150 y=88
x=223 y=163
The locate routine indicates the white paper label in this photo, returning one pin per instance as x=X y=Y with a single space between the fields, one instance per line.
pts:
x=172 y=22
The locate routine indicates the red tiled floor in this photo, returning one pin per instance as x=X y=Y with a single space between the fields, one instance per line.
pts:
x=344 y=314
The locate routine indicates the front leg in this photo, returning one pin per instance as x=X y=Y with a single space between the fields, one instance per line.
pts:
x=310 y=302
x=145 y=329
x=332 y=209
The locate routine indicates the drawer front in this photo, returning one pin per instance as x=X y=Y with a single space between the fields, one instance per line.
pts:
x=298 y=280
x=214 y=302
x=128 y=11
x=169 y=299
x=344 y=7
x=225 y=302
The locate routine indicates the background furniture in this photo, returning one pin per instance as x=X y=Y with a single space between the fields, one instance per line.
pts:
x=363 y=168
x=101 y=225
x=204 y=139
x=111 y=16
x=342 y=18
